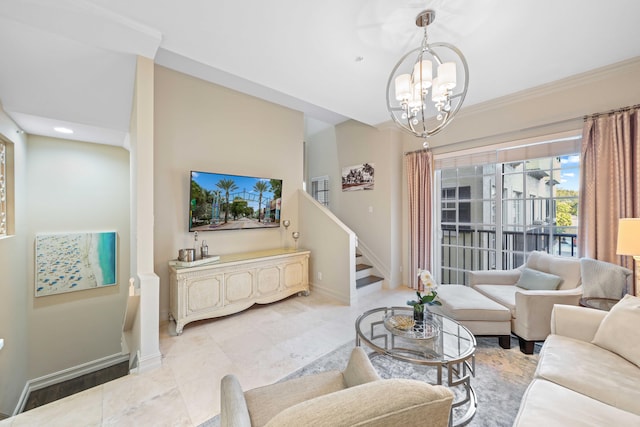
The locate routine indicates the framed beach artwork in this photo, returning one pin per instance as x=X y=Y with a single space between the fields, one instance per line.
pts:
x=75 y=261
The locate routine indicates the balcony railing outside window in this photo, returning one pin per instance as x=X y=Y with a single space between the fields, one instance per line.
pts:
x=482 y=228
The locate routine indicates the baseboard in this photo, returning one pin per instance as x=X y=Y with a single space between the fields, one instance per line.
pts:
x=148 y=363
x=67 y=374
x=329 y=293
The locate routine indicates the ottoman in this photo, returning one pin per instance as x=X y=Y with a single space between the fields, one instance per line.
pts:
x=481 y=315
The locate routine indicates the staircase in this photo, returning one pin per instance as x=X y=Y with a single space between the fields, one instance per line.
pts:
x=366 y=280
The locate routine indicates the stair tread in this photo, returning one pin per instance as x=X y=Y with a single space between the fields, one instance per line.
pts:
x=367 y=281
x=360 y=267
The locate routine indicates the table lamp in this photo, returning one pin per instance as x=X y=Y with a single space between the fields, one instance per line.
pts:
x=629 y=244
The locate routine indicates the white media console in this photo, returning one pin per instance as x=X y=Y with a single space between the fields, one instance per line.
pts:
x=235 y=283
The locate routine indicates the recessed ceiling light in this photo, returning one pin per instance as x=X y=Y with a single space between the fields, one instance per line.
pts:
x=62 y=130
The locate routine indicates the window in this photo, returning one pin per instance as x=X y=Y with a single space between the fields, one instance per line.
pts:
x=468 y=203
x=534 y=208
x=454 y=210
x=3 y=189
x=320 y=189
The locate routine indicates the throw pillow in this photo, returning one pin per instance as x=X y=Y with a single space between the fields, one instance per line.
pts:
x=619 y=333
x=602 y=279
x=535 y=280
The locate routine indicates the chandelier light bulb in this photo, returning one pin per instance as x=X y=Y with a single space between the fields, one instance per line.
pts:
x=438 y=92
x=422 y=74
x=447 y=75
x=403 y=87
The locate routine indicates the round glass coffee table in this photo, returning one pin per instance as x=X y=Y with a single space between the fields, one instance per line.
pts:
x=439 y=342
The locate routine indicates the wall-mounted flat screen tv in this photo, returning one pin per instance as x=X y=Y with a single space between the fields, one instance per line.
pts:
x=233 y=202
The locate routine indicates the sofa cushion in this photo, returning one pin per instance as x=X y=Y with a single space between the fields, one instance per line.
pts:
x=463 y=303
x=535 y=280
x=390 y=402
x=550 y=405
x=265 y=402
x=619 y=330
x=502 y=294
x=590 y=370
x=565 y=267
x=602 y=279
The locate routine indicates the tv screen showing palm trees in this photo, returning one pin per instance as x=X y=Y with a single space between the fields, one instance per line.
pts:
x=233 y=202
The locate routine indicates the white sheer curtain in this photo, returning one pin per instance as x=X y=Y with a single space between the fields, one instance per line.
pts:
x=420 y=180
x=610 y=182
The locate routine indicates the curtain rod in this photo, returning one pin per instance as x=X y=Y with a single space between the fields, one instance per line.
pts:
x=617 y=110
x=513 y=134
x=422 y=150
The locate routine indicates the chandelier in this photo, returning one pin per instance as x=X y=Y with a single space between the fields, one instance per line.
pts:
x=423 y=102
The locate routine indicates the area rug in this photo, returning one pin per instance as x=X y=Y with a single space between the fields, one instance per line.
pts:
x=501 y=378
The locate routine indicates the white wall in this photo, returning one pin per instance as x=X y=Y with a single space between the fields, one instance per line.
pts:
x=13 y=278
x=71 y=187
x=145 y=343
x=205 y=127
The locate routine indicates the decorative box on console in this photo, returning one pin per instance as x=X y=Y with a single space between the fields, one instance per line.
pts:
x=235 y=283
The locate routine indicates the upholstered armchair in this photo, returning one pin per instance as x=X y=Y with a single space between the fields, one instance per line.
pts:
x=530 y=292
x=355 y=396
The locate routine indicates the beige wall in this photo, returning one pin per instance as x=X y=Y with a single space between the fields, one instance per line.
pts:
x=74 y=186
x=545 y=110
x=205 y=127
x=332 y=266
x=13 y=278
x=373 y=215
x=552 y=108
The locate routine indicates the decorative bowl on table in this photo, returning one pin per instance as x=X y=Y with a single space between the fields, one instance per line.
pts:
x=399 y=321
x=405 y=326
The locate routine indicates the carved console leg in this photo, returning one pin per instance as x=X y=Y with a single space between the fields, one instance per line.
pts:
x=179 y=327
x=303 y=293
x=526 y=346
x=505 y=341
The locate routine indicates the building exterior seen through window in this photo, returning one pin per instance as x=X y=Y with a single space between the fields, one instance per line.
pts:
x=320 y=189
x=492 y=215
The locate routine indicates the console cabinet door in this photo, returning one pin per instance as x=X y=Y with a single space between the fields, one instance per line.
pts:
x=295 y=274
x=203 y=293
x=268 y=280
x=238 y=286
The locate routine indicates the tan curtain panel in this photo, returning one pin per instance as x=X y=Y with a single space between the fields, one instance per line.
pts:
x=420 y=180
x=609 y=182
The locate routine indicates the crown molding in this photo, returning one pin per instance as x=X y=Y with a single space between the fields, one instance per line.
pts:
x=582 y=79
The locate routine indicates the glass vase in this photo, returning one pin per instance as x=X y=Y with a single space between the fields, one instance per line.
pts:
x=418 y=313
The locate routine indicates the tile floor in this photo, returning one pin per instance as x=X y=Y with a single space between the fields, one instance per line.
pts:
x=260 y=345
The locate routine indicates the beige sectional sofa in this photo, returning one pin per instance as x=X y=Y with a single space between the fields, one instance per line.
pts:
x=581 y=378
